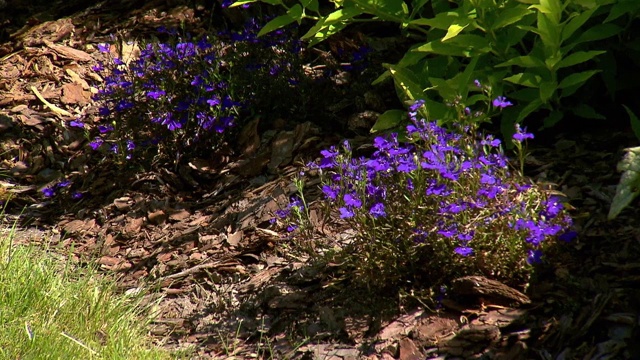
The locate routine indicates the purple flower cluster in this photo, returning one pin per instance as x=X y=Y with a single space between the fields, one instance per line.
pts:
x=184 y=93
x=170 y=91
x=447 y=189
x=50 y=191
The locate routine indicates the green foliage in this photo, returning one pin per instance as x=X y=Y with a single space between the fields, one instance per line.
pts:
x=539 y=52
x=629 y=185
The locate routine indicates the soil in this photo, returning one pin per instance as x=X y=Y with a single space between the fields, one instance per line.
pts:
x=232 y=286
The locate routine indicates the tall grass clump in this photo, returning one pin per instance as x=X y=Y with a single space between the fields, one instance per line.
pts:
x=436 y=205
x=51 y=309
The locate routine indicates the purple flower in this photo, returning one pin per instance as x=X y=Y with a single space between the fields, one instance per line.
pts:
x=291 y=227
x=214 y=101
x=487 y=179
x=96 y=143
x=105 y=128
x=282 y=213
x=352 y=200
x=416 y=105
x=156 y=94
x=477 y=83
x=76 y=195
x=501 y=102
x=464 y=251
x=104 y=48
x=75 y=123
x=377 y=210
x=345 y=213
x=48 y=191
x=521 y=134
x=330 y=192
x=63 y=184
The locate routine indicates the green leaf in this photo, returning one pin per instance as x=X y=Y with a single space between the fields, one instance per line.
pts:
x=335 y=17
x=621 y=8
x=437 y=47
x=525 y=79
x=575 y=23
x=465 y=79
x=380 y=79
x=577 y=79
x=524 y=61
x=586 y=112
x=553 y=118
x=510 y=16
x=551 y=8
x=404 y=80
x=389 y=120
x=312 y=5
x=548 y=31
x=527 y=110
x=635 y=122
x=440 y=21
x=385 y=10
x=547 y=89
x=453 y=31
x=577 y=58
x=599 y=32
x=628 y=187
x=293 y=14
x=326 y=32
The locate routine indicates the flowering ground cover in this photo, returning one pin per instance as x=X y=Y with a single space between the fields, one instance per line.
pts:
x=199 y=230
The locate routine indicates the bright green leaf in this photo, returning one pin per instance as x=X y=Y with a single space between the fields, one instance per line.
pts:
x=440 y=21
x=385 y=10
x=524 y=61
x=525 y=79
x=578 y=58
x=404 y=80
x=336 y=17
x=629 y=185
x=510 y=16
x=389 y=120
x=294 y=14
x=575 y=23
x=453 y=31
x=577 y=78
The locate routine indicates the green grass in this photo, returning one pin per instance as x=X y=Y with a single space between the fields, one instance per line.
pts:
x=51 y=309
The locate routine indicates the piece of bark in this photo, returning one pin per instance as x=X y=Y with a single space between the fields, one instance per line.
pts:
x=489 y=290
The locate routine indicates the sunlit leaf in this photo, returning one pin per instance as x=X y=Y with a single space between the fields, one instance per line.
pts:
x=629 y=185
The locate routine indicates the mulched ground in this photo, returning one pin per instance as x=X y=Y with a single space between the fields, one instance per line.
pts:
x=232 y=286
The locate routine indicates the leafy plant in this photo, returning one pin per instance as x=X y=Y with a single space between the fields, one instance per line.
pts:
x=439 y=205
x=536 y=49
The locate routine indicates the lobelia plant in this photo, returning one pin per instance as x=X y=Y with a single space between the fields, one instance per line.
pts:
x=183 y=97
x=437 y=206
